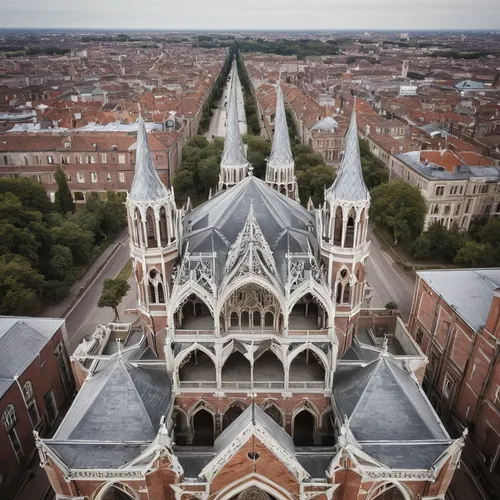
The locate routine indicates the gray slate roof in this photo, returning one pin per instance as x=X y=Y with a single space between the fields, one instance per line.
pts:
x=281 y=153
x=147 y=185
x=121 y=402
x=327 y=123
x=96 y=455
x=384 y=403
x=285 y=224
x=251 y=416
x=468 y=291
x=234 y=153
x=21 y=340
x=315 y=463
x=349 y=184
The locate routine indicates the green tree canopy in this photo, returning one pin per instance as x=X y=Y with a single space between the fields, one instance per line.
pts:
x=399 y=208
x=474 y=254
x=312 y=183
x=21 y=286
x=490 y=233
x=32 y=194
x=438 y=242
x=374 y=170
x=63 y=201
x=113 y=291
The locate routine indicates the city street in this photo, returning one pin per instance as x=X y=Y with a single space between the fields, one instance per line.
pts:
x=388 y=279
x=217 y=126
x=84 y=316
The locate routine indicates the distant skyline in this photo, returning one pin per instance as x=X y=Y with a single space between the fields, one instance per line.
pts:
x=252 y=14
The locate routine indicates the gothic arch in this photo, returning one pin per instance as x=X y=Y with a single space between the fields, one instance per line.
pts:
x=179 y=295
x=317 y=292
x=256 y=480
x=103 y=490
x=377 y=491
x=193 y=347
x=232 y=411
x=253 y=279
x=268 y=405
x=309 y=408
x=311 y=347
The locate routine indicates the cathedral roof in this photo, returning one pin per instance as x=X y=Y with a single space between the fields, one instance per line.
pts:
x=147 y=185
x=234 y=153
x=281 y=153
x=121 y=402
x=215 y=225
x=349 y=184
x=384 y=403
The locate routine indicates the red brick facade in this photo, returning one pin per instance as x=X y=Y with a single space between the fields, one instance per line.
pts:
x=45 y=376
x=463 y=375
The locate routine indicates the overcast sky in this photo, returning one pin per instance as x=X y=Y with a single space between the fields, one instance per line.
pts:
x=251 y=14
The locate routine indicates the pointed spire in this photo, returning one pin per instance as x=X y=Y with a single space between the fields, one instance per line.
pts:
x=281 y=153
x=147 y=185
x=349 y=184
x=234 y=153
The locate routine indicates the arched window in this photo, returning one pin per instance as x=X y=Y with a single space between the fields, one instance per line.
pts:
x=151 y=228
x=273 y=411
x=163 y=227
x=245 y=319
x=203 y=428
x=337 y=228
x=155 y=287
x=304 y=428
x=139 y=230
x=346 y=296
x=234 y=319
x=343 y=288
x=386 y=491
x=349 y=233
x=232 y=413
x=256 y=318
x=269 y=319
x=9 y=417
x=29 y=398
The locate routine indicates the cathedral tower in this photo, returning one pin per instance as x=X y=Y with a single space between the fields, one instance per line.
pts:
x=234 y=165
x=154 y=228
x=280 y=171
x=343 y=223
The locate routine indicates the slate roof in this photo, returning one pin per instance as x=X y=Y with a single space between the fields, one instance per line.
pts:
x=349 y=184
x=121 y=402
x=281 y=153
x=468 y=291
x=234 y=153
x=21 y=340
x=285 y=224
x=147 y=185
x=384 y=403
x=96 y=455
x=315 y=463
x=251 y=416
x=194 y=462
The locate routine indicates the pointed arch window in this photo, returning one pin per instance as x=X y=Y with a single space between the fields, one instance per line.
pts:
x=151 y=228
x=156 y=287
x=343 y=288
x=163 y=227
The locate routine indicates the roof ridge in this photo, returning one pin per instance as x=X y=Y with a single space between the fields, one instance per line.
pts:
x=378 y=360
x=125 y=362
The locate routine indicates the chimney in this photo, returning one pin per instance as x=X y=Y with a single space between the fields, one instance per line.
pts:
x=493 y=321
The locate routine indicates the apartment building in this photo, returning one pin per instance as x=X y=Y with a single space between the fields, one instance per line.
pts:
x=455 y=192
x=95 y=160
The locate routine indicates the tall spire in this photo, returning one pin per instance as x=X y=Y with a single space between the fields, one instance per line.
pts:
x=147 y=185
x=280 y=170
x=281 y=153
x=349 y=184
x=234 y=153
x=234 y=165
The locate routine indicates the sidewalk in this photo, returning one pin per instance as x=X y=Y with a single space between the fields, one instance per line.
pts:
x=60 y=310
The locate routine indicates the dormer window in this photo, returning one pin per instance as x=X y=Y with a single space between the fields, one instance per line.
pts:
x=67 y=145
x=114 y=147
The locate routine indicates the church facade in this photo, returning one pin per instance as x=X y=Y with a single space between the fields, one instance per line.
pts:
x=249 y=380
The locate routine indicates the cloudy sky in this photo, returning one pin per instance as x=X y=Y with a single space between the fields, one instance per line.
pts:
x=251 y=14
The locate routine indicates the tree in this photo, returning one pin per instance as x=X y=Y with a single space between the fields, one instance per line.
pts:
x=113 y=291
x=183 y=185
x=438 y=242
x=21 y=286
x=312 y=183
x=306 y=160
x=208 y=174
x=64 y=201
x=474 y=254
x=399 y=208
x=374 y=170
x=61 y=263
x=70 y=234
x=490 y=233
x=31 y=194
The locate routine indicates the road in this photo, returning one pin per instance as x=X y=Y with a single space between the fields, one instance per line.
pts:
x=217 y=126
x=84 y=316
x=389 y=281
